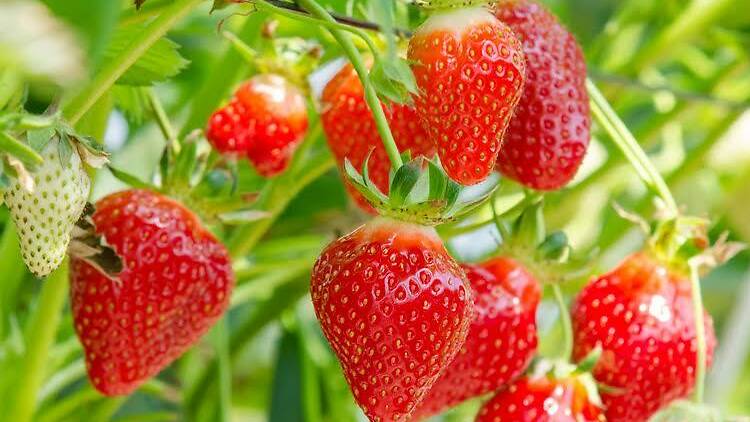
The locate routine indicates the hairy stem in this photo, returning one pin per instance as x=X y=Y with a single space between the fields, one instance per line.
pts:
x=170 y=135
x=371 y=95
x=567 y=325
x=40 y=335
x=103 y=81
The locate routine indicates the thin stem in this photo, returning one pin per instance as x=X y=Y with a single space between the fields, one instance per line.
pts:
x=700 y=334
x=40 y=336
x=567 y=325
x=221 y=343
x=103 y=81
x=371 y=95
x=302 y=16
x=170 y=135
x=629 y=146
x=346 y=20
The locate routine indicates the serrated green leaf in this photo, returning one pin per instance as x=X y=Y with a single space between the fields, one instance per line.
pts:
x=403 y=182
x=130 y=179
x=18 y=149
x=38 y=138
x=132 y=101
x=160 y=62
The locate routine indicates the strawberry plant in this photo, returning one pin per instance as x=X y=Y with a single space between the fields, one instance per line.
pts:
x=384 y=210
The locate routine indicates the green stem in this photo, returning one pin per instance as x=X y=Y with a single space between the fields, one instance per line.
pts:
x=10 y=83
x=700 y=334
x=221 y=343
x=11 y=266
x=40 y=336
x=371 y=96
x=629 y=146
x=103 y=81
x=567 y=325
x=277 y=194
x=62 y=378
x=19 y=149
x=331 y=25
x=170 y=135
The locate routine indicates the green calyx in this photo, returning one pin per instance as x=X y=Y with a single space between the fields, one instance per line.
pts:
x=681 y=241
x=580 y=373
x=548 y=256
x=420 y=192
x=197 y=176
x=293 y=58
x=448 y=4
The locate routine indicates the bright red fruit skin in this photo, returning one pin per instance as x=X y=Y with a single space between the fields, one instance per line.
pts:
x=470 y=71
x=265 y=120
x=549 y=133
x=641 y=315
x=502 y=337
x=351 y=132
x=541 y=400
x=395 y=308
x=176 y=283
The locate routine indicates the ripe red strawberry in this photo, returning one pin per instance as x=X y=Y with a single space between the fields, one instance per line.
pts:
x=351 y=132
x=176 y=283
x=470 y=70
x=502 y=337
x=641 y=315
x=395 y=308
x=265 y=120
x=542 y=399
x=549 y=132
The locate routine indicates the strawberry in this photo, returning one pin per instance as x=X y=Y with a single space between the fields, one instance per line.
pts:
x=641 y=316
x=395 y=308
x=542 y=399
x=502 y=337
x=176 y=283
x=470 y=70
x=265 y=120
x=45 y=216
x=351 y=132
x=549 y=132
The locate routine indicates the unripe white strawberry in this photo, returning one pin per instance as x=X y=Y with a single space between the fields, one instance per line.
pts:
x=45 y=216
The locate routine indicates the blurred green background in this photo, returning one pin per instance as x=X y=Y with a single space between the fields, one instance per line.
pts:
x=676 y=71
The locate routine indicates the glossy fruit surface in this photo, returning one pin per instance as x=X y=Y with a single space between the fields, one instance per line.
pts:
x=541 y=399
x=470 y=70
x=351 y=132
x=395 y=308
x=265 y=121
x=176 y=283
x=549 y=133
x=502 y=337
x=641 y=315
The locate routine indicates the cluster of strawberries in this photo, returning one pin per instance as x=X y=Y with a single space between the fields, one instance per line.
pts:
x=502 y=87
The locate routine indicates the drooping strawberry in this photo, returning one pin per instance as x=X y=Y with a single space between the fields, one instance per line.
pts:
x=45 y=214
x=470 y=70
x=502 y=337
x=265 y=120
x=176 y=283
x=351 y=132
x=542 y=399
x=395 y=308
x=641 y=315
x=549 y=132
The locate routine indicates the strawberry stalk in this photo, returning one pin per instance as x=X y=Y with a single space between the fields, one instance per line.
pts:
x=371 y=95
x=40 y=335
x=629 y=146
x=700 y=334
x=567 y=325
x=170 y=135
x=632 y=150
x=76 y=107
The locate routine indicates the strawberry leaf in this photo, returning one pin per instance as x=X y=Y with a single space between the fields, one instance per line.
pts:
x=160 y=62
x=403 y=182
x=38 y=138
x=132 y=101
